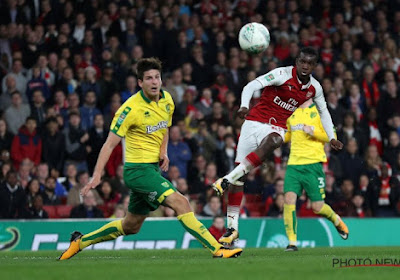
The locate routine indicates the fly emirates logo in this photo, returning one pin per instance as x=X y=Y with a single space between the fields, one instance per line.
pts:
x=291 y=105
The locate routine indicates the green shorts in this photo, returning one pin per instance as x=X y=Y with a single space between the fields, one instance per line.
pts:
x=309 y=177
x=148 y=187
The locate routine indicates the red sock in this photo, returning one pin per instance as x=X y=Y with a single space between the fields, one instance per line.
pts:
x=235 y=199
x=254 y=159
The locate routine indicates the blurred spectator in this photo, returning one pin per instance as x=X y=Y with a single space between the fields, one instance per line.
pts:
x=37 y=83
x=213 y=207
x=38 y=109
x=350 y=130
x=173 y=175
x=49 y=194
x=178 y=151
x=359 y=207
x=226 y=156
x=88 y=208
x=131 y=88
x=6 y=137
x=27 y=144
x=32 y=190
x=335 y=108
x=90 y=83
x=384 y=193
x=36 y=210
x=118 y=182
x=392 y=151
x=370 y=126
x=352 y=163
x=12 y=198
x=18 y=80
x=54 y=143
x=343 y=205
x=276 y=210
x=109 y=196
x=97 y=136
x=74 y=197
x=17 y=113
x=75 y=141
x=119 y=212
x=217 y=228
x=70 y=177
x=373 y=161
x=88 y=111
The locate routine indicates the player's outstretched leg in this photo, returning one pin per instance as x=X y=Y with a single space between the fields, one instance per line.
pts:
x=181 y=206
x=235 y=197
x=254 y=159
x=79 y=241
x=326 y=211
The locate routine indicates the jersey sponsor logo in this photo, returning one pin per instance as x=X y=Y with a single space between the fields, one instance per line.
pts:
x=297 y=127
x=289 y=106
x=154 y=128
x=269 y=77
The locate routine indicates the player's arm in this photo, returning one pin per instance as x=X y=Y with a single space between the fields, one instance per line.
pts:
x=272 y=78
x=105 y=152
x=164 y=152
x=326 y=119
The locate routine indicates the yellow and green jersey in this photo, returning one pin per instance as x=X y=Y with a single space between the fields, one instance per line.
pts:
x=143 y=123
x=306 y=149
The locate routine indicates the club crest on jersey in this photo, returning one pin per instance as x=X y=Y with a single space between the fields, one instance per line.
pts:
x=147 y=114
x=269 y=77
x=154 y=128
x=167 y=107
x=313 y=115
x=309 y=94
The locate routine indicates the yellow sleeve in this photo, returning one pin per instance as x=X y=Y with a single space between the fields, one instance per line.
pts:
x=122 y=120
x=171 y=112
x=288 y=134
x=320 y=134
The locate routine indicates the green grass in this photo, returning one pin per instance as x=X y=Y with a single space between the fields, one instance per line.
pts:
x=197 y=264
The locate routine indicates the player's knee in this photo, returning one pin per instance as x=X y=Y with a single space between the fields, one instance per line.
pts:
x=290 y=198
x=178 y=203
x=275 y=140
x=316 y=206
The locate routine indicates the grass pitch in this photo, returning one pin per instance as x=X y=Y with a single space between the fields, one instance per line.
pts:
x=316 y=263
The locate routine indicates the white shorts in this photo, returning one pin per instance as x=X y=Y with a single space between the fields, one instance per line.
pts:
x=251 y=135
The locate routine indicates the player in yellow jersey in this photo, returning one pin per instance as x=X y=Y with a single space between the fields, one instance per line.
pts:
x=144 y=120
x=304 y=170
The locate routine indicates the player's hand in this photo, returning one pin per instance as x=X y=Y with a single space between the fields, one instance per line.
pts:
x=336 y=144
x=308 y=129
x=94 y=182
x=242 y=112
x=164 y=162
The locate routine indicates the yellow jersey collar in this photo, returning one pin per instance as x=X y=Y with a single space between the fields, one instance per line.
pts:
x=162 y=95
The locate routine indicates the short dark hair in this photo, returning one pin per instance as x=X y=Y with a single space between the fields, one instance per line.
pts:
x=146 y=64
x=30 y=118
x=309 y=51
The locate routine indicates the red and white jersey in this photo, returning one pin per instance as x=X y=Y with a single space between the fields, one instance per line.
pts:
x=282 y=94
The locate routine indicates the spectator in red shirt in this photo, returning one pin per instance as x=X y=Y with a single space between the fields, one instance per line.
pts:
x=27 y=144
x=217 y=228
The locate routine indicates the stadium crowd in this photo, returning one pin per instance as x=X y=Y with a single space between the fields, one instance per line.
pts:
x=67 y=66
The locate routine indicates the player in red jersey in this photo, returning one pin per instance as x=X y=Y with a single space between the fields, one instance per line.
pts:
x=284 y=89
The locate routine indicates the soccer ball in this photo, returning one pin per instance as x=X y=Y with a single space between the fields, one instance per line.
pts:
x=254 y=38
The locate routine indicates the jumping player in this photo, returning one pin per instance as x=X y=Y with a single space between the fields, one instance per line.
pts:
x=284 y=90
